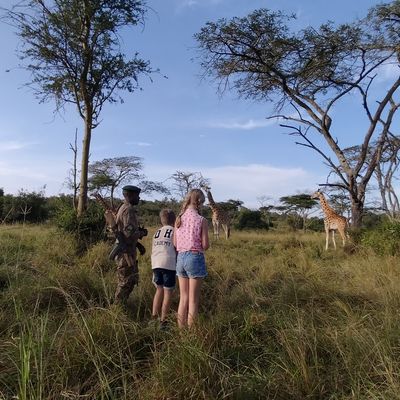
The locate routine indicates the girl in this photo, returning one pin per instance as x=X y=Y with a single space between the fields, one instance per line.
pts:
x=190 y=240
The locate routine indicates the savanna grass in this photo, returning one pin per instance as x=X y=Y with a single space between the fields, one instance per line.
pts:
x=280 y=318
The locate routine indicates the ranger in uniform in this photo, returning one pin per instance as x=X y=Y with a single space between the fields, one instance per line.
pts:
x=129 y=232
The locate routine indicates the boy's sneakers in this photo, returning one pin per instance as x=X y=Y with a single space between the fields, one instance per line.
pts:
x=164 y=325
x=157 y=324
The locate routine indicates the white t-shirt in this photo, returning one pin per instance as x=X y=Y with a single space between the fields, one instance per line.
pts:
x=163 y=254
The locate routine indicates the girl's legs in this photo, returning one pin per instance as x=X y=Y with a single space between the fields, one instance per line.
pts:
x=194 y=297
x=157 y=301
x=183 y=301
x=166 y=304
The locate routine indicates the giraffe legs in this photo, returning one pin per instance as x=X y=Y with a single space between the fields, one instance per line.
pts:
x=343 y=235
x=333 y=238
x=326 y=238
x=227 y=231
x=216 y=229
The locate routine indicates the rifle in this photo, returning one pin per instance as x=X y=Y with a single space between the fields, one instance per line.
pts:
x=111 y=227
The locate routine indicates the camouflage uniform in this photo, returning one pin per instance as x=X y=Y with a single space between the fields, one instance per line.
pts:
x=127 y=268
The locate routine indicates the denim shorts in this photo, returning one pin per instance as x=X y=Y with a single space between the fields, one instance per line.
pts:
x=191 y=264
x=164 y=277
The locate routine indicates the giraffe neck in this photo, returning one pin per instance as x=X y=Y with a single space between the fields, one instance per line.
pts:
x=213 y=205
x=325 y=206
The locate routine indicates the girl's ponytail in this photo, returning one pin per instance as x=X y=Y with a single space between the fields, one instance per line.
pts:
x=196 y=198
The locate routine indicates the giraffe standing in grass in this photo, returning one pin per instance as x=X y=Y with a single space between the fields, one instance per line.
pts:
x=220 y=218
x=332 y=220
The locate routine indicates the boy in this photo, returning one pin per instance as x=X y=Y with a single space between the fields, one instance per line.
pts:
x=163 y=264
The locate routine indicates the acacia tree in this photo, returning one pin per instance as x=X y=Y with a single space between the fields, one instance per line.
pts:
x=306 y=74
x=110 y=173
x=386 y=176
x=184 y=181
x=385 y=172
x=72 y=49
x=298 y=206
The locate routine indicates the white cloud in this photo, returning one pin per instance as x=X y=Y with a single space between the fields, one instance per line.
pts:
x=388 y=72
x=12 y=145
x=246 y=182
x=246 y=125
x=182 y=4
x=186 y=4
x=140 y=144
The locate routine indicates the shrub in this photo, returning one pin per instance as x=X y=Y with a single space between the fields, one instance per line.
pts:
x=383 y=240
x=248 y=219
x=25 y=207
x=88 y=229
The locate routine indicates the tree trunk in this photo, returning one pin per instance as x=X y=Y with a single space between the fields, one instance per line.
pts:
x=83 y=187
x=112 y=196
x=74 y=148
x=357 y=209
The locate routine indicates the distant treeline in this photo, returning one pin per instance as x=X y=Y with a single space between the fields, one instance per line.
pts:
x=35 y=207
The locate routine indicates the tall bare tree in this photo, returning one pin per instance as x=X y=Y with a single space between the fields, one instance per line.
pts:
x=73 y=50
x=386 y=173
x=184 y=181
x=72 y=178
x=307 y=73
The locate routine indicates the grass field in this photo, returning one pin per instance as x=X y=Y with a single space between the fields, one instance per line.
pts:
x=281 y=318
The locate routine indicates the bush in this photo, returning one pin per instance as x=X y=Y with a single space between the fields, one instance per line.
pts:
x=25 y=207
x=383 y=240
x=88 y=229
x=248 y=219
x=315 y=224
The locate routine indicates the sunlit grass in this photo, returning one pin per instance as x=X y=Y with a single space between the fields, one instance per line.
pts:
x=280 y=318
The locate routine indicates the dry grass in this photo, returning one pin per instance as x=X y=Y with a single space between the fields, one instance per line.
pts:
x=280 y=319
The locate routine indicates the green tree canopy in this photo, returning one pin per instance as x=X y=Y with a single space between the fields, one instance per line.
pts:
x=298 y=206
x=72 y=48
x=306 y=73
x=110 y=173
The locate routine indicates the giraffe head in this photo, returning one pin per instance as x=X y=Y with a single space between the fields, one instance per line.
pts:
x=317 y=195
x=205 y=187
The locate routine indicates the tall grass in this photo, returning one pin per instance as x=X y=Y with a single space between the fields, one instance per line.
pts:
x=280 y=318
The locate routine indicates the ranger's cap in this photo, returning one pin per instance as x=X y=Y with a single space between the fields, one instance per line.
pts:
x=131 y=188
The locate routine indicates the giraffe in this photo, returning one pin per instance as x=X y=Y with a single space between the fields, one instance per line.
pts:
x=332 y=220
x=219 y=216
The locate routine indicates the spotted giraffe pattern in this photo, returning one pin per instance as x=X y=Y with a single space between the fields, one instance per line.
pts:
x=332 y=220
x=220 y=218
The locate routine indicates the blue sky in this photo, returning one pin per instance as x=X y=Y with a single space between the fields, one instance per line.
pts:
x=175 y=123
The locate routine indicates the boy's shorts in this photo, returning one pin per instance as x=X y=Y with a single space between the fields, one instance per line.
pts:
x=191 y=264
x=164 y=277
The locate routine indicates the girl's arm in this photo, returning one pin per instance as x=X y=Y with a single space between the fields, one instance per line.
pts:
x=174 y=237
x=204 y=235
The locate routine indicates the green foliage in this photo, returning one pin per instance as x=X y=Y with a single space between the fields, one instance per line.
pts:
x=315 y=224
x=45 y=29
x=263 y=57
x=88 y=229
x=384 y=240
x=149 y=211
x=1 y=203
x=24 y=207
x=301 y=201
x=110 y=173
x=249 y=219
x=294 y=221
